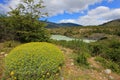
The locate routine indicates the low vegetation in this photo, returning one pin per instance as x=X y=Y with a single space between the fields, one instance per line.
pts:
x=88 y=31
x=80 y=48
x=43 y=61
x=108 y=64
x=108 y=51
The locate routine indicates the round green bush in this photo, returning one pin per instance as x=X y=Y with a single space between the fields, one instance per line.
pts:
x=33 y=61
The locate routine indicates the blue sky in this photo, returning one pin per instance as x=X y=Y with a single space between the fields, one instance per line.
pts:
x=112 y=5
x=66 y=17
x=84 y=12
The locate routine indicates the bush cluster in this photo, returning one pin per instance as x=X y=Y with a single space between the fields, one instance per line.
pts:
x=108 y=64
x=81 y=60
x=80 y=48
x=108 y=49
x=33 y=61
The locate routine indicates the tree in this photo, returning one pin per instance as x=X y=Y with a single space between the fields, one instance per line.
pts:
x=2 y=31
x=25 y=20
x=6 y=31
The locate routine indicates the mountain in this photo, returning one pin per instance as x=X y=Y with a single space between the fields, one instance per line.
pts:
x=112 y=23
x=57 y=25
x=69 y=24
x=52 y=25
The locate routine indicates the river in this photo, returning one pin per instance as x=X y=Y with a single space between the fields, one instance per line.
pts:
x=61 y=37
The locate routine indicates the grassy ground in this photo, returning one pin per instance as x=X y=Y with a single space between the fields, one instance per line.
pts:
x=70 y=70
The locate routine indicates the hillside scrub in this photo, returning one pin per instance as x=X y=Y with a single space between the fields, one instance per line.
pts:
x=108 y=52
x=108 y=49
x=80 y=48
x=87 y=31
x=108 y=64
x=43 y=61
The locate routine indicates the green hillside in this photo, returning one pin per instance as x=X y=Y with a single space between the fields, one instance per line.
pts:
x=112 y=23
x=108 y=29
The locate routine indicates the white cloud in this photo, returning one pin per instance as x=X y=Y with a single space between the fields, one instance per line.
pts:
x=54 y=7
x=68 y=21
x=99 y=10
x=97 y=16
x=110 y=0
x=5 y=7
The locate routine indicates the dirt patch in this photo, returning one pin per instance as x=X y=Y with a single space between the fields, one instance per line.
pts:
x=72 y=72
x=1 y=65
x=93 y=63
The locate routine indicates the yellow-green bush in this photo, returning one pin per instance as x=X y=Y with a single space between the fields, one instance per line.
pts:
x=33 y=61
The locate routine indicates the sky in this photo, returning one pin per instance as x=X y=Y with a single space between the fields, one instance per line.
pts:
x=83 y=12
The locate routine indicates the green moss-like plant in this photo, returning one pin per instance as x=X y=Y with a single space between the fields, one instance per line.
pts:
x=33 y=61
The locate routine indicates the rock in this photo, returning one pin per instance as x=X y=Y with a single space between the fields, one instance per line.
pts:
x=108 y=71
x=100 y=78
x=62 y=78
x=91 y=66
x=97 y=36
x=111 y=77
x=2 y=53
x=104 y=77
x=72 y=64
x=6 y=55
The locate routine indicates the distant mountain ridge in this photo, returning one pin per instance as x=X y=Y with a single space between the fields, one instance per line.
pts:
x=57 y=25
x=69 y=24
x=112 y=23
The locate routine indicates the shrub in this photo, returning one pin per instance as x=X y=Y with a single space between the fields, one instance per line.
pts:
x=80 y=48
x=97 y=49
x=108 y=49
x=114 y=55
x=100 y=59
x=82 y=60
x=108 y=64
x=74 y=44
x=33 y=61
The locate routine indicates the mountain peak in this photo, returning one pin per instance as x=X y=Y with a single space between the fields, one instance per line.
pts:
x=56 y=25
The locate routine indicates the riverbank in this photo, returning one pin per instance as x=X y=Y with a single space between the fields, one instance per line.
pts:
x=62 y=37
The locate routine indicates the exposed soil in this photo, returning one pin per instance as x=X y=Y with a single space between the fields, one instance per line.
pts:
x=1 y=65
x=72 y=72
